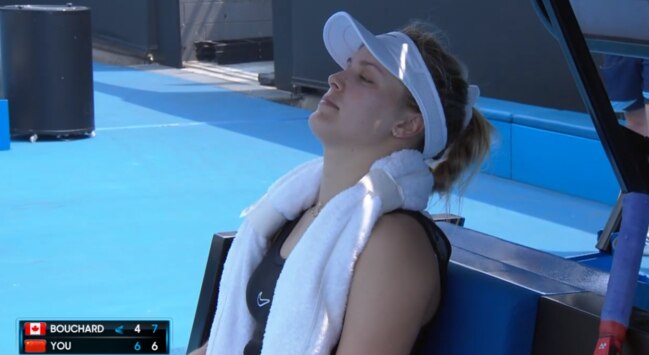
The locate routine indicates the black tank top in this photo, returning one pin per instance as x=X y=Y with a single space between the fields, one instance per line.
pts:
x=261 y=286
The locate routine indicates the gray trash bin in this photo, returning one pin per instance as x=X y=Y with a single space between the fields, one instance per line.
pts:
x=47 y=67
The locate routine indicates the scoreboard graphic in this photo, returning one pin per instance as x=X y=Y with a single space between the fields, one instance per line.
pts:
x=94 y=337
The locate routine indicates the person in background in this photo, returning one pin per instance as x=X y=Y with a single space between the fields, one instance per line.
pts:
x=338 y=256
x=627 y=84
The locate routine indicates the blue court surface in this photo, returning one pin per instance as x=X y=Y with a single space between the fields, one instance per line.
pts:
x=118 y=226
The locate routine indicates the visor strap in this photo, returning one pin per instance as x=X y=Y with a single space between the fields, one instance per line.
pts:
x=472 y=96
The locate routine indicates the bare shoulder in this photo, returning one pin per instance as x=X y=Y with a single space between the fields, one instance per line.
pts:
x=402 y=236
x=400 y=250
x=394 y=289
x=200 y=351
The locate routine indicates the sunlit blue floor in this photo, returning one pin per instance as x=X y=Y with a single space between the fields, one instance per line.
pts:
x=118 y=226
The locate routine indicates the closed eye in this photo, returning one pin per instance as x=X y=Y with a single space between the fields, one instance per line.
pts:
x=364 y=64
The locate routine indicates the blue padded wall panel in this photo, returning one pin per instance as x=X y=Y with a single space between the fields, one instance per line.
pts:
x=483 y=314
x=503 y=110
x=492 y=294
x=573 y=165
x=4 y=125
x=499 y=162
x=568 y=122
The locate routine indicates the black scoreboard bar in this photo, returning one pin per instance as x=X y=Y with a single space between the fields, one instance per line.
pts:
x=94 y=337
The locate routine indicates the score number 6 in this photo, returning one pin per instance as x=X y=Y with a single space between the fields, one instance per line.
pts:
x=138 y=347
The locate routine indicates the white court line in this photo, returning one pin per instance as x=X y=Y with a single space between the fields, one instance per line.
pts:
x=189 y=124
x=160 y=125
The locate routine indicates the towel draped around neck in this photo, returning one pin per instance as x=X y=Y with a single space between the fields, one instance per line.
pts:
x=308 y=308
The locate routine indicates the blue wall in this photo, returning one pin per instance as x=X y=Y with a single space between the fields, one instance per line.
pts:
x=549 y=148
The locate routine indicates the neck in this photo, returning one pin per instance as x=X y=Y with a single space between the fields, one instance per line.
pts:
x=341 y=170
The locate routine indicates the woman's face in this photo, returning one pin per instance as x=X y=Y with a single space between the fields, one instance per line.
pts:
x=362 y=105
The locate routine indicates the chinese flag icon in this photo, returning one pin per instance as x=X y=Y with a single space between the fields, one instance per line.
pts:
x=35 y=346
x=35 y=328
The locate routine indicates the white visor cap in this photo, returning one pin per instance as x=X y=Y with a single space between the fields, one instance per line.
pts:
x=343 y=36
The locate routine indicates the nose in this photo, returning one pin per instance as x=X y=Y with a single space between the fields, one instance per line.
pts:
x=335 y=81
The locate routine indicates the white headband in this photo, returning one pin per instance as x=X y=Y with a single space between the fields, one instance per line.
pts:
x=343 y=36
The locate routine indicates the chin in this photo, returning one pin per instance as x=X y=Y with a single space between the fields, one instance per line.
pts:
x=318 y=126
x=318 y=116
x=313 y=124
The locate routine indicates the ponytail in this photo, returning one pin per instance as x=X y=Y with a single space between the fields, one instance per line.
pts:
x=465 y=156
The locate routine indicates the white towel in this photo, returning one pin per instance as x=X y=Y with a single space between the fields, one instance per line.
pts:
x=308 y=306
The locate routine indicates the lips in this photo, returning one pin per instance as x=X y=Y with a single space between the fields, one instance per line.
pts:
x=327 y=102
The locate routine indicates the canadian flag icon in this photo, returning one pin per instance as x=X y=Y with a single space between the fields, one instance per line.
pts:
x=39 y=328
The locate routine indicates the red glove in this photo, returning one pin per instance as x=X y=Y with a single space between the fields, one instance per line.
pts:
x=611 y=338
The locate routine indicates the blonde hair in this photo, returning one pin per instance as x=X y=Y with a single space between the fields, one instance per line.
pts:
x=468 y=147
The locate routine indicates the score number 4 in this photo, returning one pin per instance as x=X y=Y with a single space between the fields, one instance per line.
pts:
x=137 y=328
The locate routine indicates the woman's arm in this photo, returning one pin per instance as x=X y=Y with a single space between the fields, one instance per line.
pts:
x=395 y=289
x=200 y=351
